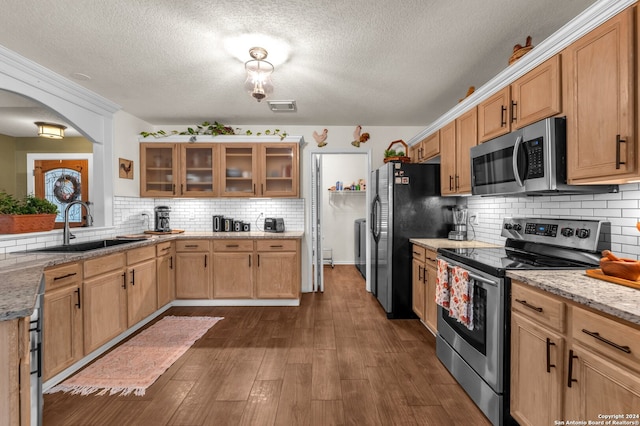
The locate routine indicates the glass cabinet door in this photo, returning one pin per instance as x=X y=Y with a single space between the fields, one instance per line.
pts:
x=158 y=169
x=198 y=167
x=238 y=170
x=279 y=170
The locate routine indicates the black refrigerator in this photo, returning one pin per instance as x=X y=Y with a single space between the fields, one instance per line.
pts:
x=406 y=203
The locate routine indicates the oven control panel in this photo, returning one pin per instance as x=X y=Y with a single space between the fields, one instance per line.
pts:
x=590 y=235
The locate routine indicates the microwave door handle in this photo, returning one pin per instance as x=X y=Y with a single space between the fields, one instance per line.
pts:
x=516 y=151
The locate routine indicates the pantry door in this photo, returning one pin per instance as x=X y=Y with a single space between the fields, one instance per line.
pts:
x=61 y=182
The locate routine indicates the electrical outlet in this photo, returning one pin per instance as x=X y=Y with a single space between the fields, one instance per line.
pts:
x=474 y=219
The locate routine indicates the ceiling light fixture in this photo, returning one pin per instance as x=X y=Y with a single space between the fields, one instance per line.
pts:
x=50 y=130
x=259 y=71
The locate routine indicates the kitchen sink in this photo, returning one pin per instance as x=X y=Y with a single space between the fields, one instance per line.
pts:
x=89 y=245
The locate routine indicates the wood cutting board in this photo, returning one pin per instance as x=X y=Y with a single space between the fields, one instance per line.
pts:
x=597 y=273
x=173 y=231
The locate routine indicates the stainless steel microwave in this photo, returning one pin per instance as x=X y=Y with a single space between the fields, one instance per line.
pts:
x=528 y=161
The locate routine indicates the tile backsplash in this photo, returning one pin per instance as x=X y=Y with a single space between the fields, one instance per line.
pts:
x=622 y=209
x=187 y=214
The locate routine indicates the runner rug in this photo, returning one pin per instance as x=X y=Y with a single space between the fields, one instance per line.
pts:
x=136 y=364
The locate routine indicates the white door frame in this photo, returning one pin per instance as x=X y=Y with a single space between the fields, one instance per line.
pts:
x=310 y=226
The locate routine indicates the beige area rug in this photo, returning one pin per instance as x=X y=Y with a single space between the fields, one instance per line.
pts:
x=136 y=364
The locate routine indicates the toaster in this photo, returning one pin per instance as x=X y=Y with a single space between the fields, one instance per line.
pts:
x=274 y=224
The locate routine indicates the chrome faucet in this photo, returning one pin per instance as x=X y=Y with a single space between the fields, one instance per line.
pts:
x=66 y=233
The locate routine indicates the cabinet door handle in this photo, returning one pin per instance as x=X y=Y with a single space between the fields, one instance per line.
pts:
x=419 y=273
x=173 y=189
x=570 y=378
x=549 y=365
x=276 y=246
x=166 y=248
x=61 y=277
x=618 y=142
x=78 y=295
x=258 y=261
x=450 y=183
x=254 y=189
x=249 y=261
x=513 y=111
x=503 y=116
x=232 y=246
x=457 y=182
x=528 y=305
x=596 y=335
x=205 y=260
x=171 y=262
x=124 y=280
x=133 y=277
x=262 y=188
x=191 y=245
x=182 y=188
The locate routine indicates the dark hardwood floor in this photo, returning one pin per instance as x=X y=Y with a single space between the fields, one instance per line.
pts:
x=333 y=360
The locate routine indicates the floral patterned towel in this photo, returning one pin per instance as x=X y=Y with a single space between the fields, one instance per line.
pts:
x=461 y=298
x=442 y=284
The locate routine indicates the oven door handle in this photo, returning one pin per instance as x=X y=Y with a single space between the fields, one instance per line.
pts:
x=482 y=279
x=516 y=151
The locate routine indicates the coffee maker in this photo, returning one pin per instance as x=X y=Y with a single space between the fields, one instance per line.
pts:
x=459 y=232
x=162 y=218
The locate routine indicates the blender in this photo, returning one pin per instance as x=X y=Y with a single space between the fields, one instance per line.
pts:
x=459 y=232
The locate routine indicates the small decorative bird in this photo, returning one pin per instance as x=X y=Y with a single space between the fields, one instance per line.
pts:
x=359 y=138
x=320 y=138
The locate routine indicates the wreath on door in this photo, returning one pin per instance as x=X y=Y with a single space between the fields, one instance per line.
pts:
x=67 y=188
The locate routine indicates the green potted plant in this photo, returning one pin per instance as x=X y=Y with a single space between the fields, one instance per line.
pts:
x=31 y=214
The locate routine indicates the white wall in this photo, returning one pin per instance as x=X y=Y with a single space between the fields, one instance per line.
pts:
x=341 y=209
x=127 y=129
x=622 y=209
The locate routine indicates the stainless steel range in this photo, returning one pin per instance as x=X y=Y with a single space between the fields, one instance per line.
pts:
x=478 y=355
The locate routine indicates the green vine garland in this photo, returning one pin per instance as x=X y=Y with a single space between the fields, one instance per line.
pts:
x=214 y=129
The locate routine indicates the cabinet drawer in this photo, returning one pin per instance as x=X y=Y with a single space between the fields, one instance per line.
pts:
x=430 y=256
x=192 y=245
x=163 y=248
x=534 y=304
x=233 y=245
x=276 y=245
x=418 y=252
x=140 y=254
x=62 y=275
x=103 y=264
x=617 y=340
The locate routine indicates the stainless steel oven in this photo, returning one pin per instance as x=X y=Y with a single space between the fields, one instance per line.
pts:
x=479 y=358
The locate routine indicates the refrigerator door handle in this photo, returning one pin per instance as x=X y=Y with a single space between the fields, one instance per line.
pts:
x=375 y=226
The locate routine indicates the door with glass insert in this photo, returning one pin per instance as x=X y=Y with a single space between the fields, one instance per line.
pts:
x=238 y=175
x=279 y=170
x=198 y=165
x=158 y=169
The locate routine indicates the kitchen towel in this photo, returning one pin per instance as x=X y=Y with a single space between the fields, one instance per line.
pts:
x=461 y=297
x=442 y=284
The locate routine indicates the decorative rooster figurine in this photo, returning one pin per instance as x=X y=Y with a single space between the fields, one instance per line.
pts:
x=320 y=138
x=358 y=138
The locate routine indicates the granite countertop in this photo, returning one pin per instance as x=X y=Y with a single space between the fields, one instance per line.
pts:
x=617 y=300
x=436 y=243
x=21 y=272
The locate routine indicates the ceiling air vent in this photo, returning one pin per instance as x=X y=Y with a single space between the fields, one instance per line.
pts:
x=282 y=106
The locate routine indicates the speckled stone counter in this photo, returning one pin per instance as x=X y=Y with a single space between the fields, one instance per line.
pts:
x=436 y=243
x=21 y=272
x=617 y=300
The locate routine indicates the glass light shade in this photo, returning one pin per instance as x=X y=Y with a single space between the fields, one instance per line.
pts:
x=258 y=82
x=50 y=130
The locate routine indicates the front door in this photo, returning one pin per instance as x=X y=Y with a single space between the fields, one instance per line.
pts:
x=61 y=182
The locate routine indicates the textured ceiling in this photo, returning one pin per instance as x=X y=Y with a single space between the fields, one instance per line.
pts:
x=368 y=62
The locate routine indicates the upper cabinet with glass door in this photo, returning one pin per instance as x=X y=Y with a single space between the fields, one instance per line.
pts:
x=199 y=167
x=158 y=169
x=279 y=170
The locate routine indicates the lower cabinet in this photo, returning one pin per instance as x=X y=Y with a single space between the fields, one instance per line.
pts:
x=62 y=338
x=430 y=305
x=579 y=372
x=165 y=272
x=233 y=263
x=142 y=295
x=277 y=269
x=419 y=294
x=193 y=276
x=14 y=364
x=105 y=300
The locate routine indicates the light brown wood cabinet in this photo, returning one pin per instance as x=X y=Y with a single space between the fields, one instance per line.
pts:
x=599 y=71
x=533 y=97
x=62 y=338
x=105 y=299
x=579 y=371
x=233 y=269
x=165 y=272
x=456 y=140
x=278 y=269
x=259 y=170
x=142 y=293
x=14 y=365
x=424 y=286
x=426 y=149
x=193 y=269
x=418 y=281
x=179 y=169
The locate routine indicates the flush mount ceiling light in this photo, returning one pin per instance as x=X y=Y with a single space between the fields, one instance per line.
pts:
x=258 y=82
x=50 y=130
x=282 y=106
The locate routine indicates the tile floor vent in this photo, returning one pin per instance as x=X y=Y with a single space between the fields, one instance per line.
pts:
x=282 y=106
